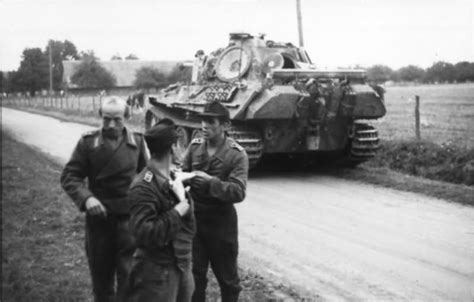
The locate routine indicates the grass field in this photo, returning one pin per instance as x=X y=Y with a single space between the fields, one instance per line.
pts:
x=447 y=113
x=43 y=257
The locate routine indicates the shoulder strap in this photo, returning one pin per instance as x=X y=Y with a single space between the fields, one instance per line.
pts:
x=237 y=146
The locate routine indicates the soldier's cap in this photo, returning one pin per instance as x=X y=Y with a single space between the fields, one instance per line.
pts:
x=161 y=136
x=215 y=109
x=113 y=104
x=200 y=52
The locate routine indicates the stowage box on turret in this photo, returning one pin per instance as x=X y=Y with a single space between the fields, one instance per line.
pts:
x=279 y=102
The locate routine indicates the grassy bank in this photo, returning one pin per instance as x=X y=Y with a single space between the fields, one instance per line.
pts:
x=446 y=162
x=43 y=237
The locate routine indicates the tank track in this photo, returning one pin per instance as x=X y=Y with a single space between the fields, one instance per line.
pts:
x=250 y=140
x=364 y=144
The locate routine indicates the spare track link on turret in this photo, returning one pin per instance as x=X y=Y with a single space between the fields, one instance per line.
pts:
x=364 y=144
x=250 y=140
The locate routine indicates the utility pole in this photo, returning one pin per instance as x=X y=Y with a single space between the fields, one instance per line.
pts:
x=50 y=70
x=300 y=22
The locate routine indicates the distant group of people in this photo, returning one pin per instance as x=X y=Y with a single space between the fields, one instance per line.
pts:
x=155 y=222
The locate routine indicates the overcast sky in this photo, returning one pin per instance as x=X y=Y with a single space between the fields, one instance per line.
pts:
x=336 y=32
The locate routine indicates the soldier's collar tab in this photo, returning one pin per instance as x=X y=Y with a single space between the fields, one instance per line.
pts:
x=130 y=137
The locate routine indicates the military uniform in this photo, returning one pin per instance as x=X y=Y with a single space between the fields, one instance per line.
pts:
x=216 y=240
x=109 y=171
x=162 y=261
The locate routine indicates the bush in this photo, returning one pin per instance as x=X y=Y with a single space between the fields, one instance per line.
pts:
x=426 y=159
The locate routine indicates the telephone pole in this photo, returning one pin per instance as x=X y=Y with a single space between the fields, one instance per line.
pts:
x=300 y=22
x=50 y=71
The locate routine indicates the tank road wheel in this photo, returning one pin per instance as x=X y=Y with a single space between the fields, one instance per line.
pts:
x=150 y=120
x=183 y=141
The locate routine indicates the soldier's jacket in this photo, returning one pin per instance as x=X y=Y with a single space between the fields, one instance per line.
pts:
x=160 y=232
x=109 y=171
x=229 y=168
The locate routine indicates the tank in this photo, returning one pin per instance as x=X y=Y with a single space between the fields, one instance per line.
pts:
x=279 y=102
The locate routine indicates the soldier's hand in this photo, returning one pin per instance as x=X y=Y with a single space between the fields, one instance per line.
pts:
x=203 y=175
x=95 y=207
x=178 y=188
x=182 y=207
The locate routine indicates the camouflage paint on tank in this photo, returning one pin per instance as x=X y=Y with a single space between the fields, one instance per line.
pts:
x=279 y=102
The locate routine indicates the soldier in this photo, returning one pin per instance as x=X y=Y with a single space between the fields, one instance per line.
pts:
x=221 y=166
x=163 y=224
x=109 y=158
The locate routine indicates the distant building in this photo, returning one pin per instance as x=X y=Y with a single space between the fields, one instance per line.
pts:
x=123 y=71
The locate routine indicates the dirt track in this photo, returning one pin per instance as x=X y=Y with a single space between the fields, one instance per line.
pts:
x=329 y=238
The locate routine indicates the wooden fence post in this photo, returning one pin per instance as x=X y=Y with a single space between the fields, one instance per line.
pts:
x=417 y=117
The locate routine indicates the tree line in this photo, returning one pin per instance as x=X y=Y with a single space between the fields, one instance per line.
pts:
x=439 y=72
x=33 y=73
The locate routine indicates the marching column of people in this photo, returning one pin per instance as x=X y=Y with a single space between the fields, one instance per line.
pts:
x=152 y=231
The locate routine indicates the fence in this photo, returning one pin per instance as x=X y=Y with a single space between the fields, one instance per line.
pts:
x=74 y=103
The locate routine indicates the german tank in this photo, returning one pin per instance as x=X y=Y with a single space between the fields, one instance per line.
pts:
x=279 y=102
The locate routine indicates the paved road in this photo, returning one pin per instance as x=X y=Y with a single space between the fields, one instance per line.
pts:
x=329 y=238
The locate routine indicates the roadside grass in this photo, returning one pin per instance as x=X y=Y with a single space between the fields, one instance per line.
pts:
x=446 y=162
x=43 y=257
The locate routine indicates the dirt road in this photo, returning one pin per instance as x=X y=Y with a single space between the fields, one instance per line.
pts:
x=331 y=239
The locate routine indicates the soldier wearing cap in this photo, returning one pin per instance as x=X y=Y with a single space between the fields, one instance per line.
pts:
x=163 y=224
x=108 y=158
x=221 y=168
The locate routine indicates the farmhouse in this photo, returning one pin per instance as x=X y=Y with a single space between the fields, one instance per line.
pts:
x=123 y=71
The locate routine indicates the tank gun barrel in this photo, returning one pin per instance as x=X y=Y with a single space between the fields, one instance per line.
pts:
x=305 y=73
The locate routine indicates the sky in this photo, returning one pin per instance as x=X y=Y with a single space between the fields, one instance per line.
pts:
x=336 y=32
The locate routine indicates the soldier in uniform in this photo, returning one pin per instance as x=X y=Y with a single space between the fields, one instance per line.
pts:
x=163 y=224
x=221 y=168
x=108 y=158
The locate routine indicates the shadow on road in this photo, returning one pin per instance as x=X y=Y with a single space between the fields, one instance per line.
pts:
x=279 y=165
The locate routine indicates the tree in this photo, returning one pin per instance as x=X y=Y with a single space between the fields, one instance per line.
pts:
x=88 y=54
x=464 y=71
x=12 y=82
x=131 y=57
x=61 y=51
x=411 y=73
x=149 y=77
x=3 y=80
x=440 y=72
x=116 y=57
x=179 y=73
x=90 y=74
x=379 y=73
x=33 y=73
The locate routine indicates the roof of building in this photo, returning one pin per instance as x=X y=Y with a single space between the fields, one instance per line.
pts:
x=123 y=70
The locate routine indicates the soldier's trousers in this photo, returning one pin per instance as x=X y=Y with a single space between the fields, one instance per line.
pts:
x=109 y=249
x=153 y=282
x=216 y=243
